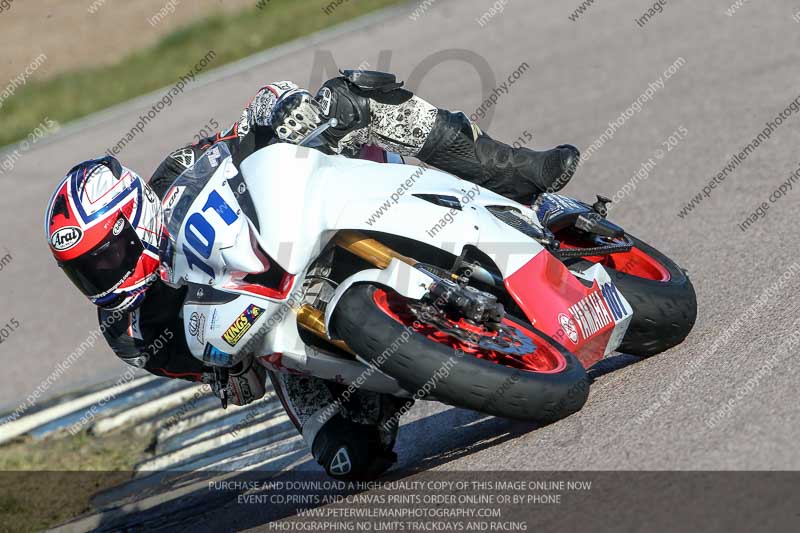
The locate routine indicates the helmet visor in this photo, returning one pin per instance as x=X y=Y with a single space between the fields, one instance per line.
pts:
x=107 y=265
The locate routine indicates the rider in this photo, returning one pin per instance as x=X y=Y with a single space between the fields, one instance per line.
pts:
x=106 y=231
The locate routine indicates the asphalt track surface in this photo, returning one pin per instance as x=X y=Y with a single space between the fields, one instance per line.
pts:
x=738 y=73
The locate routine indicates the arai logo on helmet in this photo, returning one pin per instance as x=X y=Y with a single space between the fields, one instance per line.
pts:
x=118 y=225
x=66 y=238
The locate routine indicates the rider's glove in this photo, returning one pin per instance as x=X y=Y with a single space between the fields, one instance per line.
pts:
x=246 y=382
x=295 y=115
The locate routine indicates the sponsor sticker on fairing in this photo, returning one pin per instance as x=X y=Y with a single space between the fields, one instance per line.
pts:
x=213 y=156
x=217 y=357
x=197 y=325
x=591 y=314
x=568 y=326
x=172 y=198
x=242 y=324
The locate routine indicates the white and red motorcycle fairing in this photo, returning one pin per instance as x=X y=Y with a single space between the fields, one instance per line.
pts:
x=302 y=198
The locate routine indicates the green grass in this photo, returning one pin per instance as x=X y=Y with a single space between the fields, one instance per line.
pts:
x=45 y=483
x=74 y=94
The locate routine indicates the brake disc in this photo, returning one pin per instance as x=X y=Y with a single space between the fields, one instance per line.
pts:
x=506 y=339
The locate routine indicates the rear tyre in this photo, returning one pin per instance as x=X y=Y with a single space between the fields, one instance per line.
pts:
x=662 y=297
x=544 y=385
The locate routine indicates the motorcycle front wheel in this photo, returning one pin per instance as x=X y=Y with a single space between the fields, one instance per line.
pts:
x=525 y=375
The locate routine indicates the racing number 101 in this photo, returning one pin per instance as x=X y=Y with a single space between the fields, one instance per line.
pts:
x=200 y=233
x=611 y=295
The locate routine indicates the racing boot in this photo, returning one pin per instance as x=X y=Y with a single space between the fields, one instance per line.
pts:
x=373 y=108
x=458 y=146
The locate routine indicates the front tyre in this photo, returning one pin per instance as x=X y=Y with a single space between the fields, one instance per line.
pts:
x=543 y=384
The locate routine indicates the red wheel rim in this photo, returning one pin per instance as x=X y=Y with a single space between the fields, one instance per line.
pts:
x=545 y=358
x=636 y=262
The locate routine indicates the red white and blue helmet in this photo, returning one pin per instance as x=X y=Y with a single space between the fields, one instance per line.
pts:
x=105 y=229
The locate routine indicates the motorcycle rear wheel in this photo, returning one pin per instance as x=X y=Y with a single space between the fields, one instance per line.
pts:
x=545 y=384
x=662 y=297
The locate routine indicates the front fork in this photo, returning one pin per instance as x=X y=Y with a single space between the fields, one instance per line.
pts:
x=377 y=254
x=474 y=305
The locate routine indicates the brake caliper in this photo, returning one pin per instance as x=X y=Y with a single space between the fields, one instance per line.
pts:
x=473 y=317
x=476 y=306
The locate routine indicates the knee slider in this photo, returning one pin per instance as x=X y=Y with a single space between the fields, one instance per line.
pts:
x=371 y=80
x=347 y=97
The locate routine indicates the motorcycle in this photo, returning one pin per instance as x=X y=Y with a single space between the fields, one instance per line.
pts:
x=409 y=281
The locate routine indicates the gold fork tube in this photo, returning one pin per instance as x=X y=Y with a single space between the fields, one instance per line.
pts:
x=314 y=321
x=369 y=249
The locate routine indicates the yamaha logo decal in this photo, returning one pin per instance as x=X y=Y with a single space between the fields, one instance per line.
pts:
x=66 y=238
